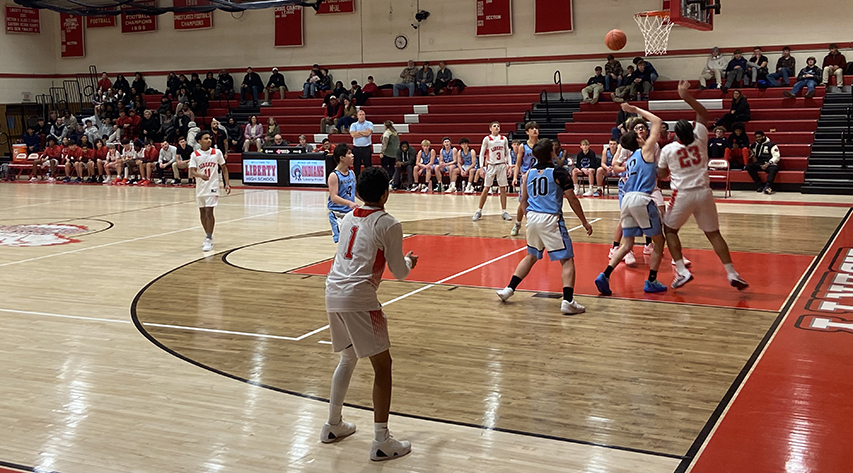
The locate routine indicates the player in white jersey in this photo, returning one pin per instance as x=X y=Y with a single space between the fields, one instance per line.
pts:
x=494 y=158
x=686 y=162
x=370 y=237
x=204 y=165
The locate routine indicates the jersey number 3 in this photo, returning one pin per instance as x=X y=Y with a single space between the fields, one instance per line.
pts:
x=353 y=233
x=688 y=157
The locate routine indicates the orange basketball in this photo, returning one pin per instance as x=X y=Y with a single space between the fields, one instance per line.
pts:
x=615 y=40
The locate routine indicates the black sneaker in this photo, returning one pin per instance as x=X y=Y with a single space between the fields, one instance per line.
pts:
x=760 y=188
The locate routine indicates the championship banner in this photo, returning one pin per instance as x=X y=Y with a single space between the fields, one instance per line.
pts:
x=194 y=20
x=553 y=16
x=336 y=6
x=100 y=21
x=288 y=26
x=494 y=17
x=138 y=23
x=22 y=20
x=71 y=35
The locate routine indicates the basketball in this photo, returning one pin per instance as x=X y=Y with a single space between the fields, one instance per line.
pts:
x=615 y=39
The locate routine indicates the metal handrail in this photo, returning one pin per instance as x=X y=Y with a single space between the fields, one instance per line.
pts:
x=845 y=135
x=543 y=98
x=558 y=79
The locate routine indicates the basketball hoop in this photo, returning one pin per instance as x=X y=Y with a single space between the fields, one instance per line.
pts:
x=655 y=26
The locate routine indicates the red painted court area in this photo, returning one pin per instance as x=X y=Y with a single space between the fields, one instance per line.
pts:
x=450 y=259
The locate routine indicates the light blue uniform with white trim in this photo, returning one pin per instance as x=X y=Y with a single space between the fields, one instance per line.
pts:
x=622 y=175
x=545 y=226
x=346 y=190
x=468 y=161
x=527 y=162
x=640 y=215
x=446 y=158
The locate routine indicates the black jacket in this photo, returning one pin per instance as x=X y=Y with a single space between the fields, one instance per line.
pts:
x=139 y=86
x=742 y=140
x=813 y=70
x=209 y=84
x=276 y=80
x=253 y=80
x=226 y=82
x=741 y=109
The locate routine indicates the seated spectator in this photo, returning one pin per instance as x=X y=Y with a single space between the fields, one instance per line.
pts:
x=757 y=65
x=104 y=84
x=738 y=112
x=715 y=68
x=235 y=134
x=183 y=82
x=735 y=70
x=150 y=127
x=785 y=68
x=809 y=77
x=443 y=78
x=621 y=118
x=405 y=162
x=834 y=64
x=224 y=85
x=718 y=144
x=334 y=111
x=277 y=140
x=69 y=120
x=303 y=142
x=272 y=129
x=763 y=157
x=587 y=164
x=165 y=105
x=251 y=84
x=182 y=122
x=276 y=83
x=39 y=127
x=325 y=82
x=612 y=73
x=192 y=131
x=665 y=137
x=624 y=88
x=138 y=104
x=32 y=140
x=92 y=131
x=199 y=100
x=357 y=94
x=58 y=131
x=183 y=96
x=407 y=80
x=168 y=126
x=326 y=148
x=370 y=89
x=165 y=159
x=209 y=84
x=641 y=81
x=349 y=116
x=340 y=91
x=310 y=87
x=737 y=147
x=253 y=134
x=124 y=124
x=135 y=124
x=424 y=78
x=594 y=87
x=182 y=160
x=139 y=86
x=172 y=85
x=121 y=84
x=606 y=169
x=653 y=73
x=195 y=81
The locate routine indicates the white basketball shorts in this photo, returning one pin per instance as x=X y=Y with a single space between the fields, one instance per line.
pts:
x=696 y=202
x=366 y=331
x=496 y=171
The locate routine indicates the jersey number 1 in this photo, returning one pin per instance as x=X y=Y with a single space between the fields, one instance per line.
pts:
x=353 y=233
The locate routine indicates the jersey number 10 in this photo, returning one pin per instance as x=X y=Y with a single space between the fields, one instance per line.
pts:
x=540 y=186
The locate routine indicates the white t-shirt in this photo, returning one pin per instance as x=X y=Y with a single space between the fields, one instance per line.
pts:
x=370 y=237
x=207 y=162
x=498 y=149
x=688 y=165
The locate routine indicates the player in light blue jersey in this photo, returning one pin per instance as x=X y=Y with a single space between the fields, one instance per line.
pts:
x=468 y=165
x=341 y=188
x=522 y=165
x=446 y=165
x=542 y=191
x=640 y=215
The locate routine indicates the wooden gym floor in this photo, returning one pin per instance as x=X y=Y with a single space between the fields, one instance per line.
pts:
x=125 y=349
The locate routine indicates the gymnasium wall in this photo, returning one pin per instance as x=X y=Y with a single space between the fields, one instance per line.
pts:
x=25 y=55
x=367 y=37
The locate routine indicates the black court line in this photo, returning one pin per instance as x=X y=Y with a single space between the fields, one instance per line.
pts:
x=15 y=466
x=688 y=458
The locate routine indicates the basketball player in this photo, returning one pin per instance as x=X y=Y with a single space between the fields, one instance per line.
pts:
x=467 y=164
x=542 y=191
x=640 y=215
x=358 y=326
x=686 y=162
x=424 y=164
x=203 y=166
x=613 y=167
x=521 y=167
x=446 y=164
x=494 y=155
x=341 y=188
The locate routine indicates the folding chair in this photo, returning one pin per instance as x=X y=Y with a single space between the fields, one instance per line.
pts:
x=718 y=169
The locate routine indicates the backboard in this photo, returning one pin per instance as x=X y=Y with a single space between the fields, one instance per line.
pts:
x=696 y=14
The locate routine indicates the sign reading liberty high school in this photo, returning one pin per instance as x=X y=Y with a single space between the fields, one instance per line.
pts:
x=22 y=20
x=260 y=171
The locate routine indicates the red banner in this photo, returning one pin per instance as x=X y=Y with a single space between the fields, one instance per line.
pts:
x=22 y=20
x=138 y=23
x=494 y=17
x=553 y=16
x=337 y=6
x=288 y=25
x=71 y=35
x=193 y=21
x=100 y=21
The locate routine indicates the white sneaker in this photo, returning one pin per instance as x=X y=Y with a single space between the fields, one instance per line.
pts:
x=687 y=262
x=611 y=252
x=589 y=193
x=505 y=293
x=424 y=188
x=738 y=282
x=515 y=228
x=491 y=190
x=51 y=180
x=331 y=433
x=629 y=259
x=450 y=188
x=469 y=189
x=647 y=250
x=578 y=191
x=571 y=307
x=505 y=215
x=34 y=179
x=477 y=215
x=389 y=449
x=207 y=245
x=681 y=279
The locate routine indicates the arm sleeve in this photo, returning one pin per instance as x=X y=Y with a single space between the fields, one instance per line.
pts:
x=392 y=241
x=561 y=176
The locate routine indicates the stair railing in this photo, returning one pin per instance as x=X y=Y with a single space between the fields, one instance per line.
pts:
x=845 y=136
x=558 y=79
x=543 y=98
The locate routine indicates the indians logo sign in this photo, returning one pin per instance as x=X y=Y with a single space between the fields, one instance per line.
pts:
x=831 y=304
x=39 y=234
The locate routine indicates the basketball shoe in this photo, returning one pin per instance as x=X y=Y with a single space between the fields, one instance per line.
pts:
x=681 y=279
x=603 y=284
x=505 y=293
x=571 y=307
x=207 y=245
x=515 y=228
x=389 y=449
x=738 y=282
x=506 y=216
x=477 y=215
x=653 y=286
x=331 y=433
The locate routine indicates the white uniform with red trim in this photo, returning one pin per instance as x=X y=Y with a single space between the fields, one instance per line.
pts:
x=498 y=149
x=207 y=163
x=369 y=237
x=691 y=185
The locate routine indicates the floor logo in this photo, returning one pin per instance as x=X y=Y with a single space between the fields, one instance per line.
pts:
x=831 y=297
x=39 y=234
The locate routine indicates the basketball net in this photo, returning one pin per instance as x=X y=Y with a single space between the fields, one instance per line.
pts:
x=655 y=26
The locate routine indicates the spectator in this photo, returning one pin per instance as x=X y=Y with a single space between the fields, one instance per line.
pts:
x=188 y=112
x=183 y=82
x=150 y=127
x=39 y=127
x=587 y=164
x=325 y=82
x=653 y=73
x=172 y=85
x=165 y=105
x=58 y=131
x=167 y=126
x=715 y=68
x=182 y=160
x=834 y=64
x=785 y=68
x=718 y=144
x=209 y=84
x=138 y=86
x=32 y=140
x=738 y=112
x=763 y=156
x=641 y=81
x=219 y=137
x=235 y=134
x=357 y=94
x=443 y=78
x=360 y=132
x=124 y=125
x=105 y=83
x=303 y=142
x=253 y=134
x=165 y=159
x=93 y=132
x=121 y=84
x=69 y=120
x=135 y=124
x=138 y=104
x=251 y=84
x=407 y=80
x=310 y=87
x=277 y=140
x=619 y=129
x=612 y=73
x=370 y=89
x=192 y=132
x=808 y=77
x=276 y=83
x=272 y=129
x=194 y=81
x=624 y=89
x=340 y=91
x=390 y=148
x=182 y=123
x=199 y=99
x=183 y=96
x=224 y=85
x=735 y=70
x=425 y=78
x=334 y=111
x=594 y=87
x=349 y=116
x=757 y=65
x=738 y=147
x=665 y=136
x=405 y=162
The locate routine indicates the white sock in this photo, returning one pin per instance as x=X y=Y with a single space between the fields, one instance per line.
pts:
x=340 y=384
x=380 y=431
x=680 y=266
x=730 y=271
